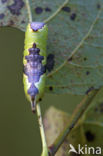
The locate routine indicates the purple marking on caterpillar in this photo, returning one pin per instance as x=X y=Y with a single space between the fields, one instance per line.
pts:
x=35 y=26
x=33 y=90
x=34 y=69
x=31 y=50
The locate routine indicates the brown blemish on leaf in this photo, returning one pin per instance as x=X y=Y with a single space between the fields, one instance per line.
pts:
x=89 y=136
x=87 y=73
x=73 y=16
x=96 y=109
x=99 y=108
x=50 y=88
x=70 y=59
x=16 y=7
x=40 y=99
x=85 y=58
x=38 y=10
x=98 y=6
x=22 y=21
x=47 y=9
x=50 y=62
x=2 y=16
x=71 y=126
x=89 y=90
x=11 y=23
x=51 y=149
x=66 y=9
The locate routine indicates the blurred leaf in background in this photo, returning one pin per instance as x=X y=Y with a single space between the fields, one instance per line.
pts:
x=88 y=131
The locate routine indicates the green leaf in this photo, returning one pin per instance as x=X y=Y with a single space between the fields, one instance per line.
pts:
x=75 y=40
x=77 y=46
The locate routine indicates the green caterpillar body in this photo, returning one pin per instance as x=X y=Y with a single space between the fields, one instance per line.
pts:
x=34 y=61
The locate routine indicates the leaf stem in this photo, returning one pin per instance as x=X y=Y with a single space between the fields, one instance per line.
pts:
x=44 y=144
x=29 y=10
x=77 y=114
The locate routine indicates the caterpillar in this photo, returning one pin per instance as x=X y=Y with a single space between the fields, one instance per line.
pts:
x=34 y=61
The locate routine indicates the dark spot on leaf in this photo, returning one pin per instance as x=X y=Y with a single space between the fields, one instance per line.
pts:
x=16 y=7
x=40 y=99
x=101 y=107
x=98 y=6
x=87 y=73
x=89 y=90
x=50 y=62
x=11 y=22
x=50 y=76
x=73 y=16
x=1 y=23
x=2 y=16
x=51 y=149
x=89 y=136
x=63 y=87
x=85 y=58
x=71 y=126
x=66 y=9
x=50 y=88
x=70 y=59
x=96 y=109
x=22 y=21
x=47 y=9
x=33 y=111
x=4 y=1
x=38 y=10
